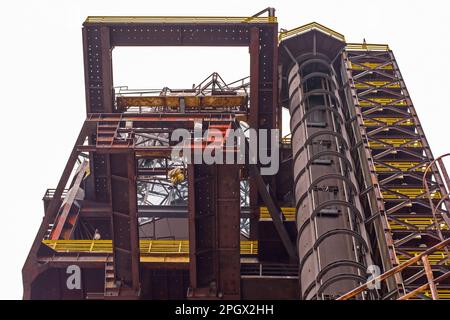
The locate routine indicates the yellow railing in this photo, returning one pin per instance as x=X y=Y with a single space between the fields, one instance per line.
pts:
x=288 y=212
x=383 y=101
x=366 y=46
x=286 y=139
x=371 y=65
x=396 y=142
x=376 y=84
x=434 y=257
x=400 y=165
x=386 y=121
x=443 y=294
x=425 y=258
x=409 y=192
x=181 y=19
x=308 y=27
x=420 y=223
x=146 y=247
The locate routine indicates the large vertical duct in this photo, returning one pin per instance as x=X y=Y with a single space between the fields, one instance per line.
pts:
x=332 y=243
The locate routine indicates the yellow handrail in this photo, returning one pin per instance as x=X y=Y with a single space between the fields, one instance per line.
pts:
x=376 y=84
x=400 y=165
x=288 y=212
x=419 y=223
x=366 y=46
x=370 y=122
x=308 y=27
x=434 y=258
x=146 y=247
x=180 y=19
x=395 y=142
x=371 y=65
x=411 y=193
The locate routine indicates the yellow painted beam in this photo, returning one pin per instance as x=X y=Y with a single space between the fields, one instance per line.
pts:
x=288 y=212
x=400 y=165
x=386 y=121
x=396 y=142
x=214 y=101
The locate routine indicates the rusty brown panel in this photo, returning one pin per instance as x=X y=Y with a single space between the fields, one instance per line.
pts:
x=277 y=120
x=202 y=226
x=228 y=230
x=134 y=228
x=268 y=288
x=107 y=71
x=214 y=220
x=191 y=226
x=195 y=34
x=254 y=123
x=124 y=219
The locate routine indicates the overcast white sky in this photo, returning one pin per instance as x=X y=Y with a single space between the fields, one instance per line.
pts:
x=42 y=82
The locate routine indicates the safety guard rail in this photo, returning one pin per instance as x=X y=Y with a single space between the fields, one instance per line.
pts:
x=247 y=247
x=174 y=19
x=423 y=259
x=308 y=27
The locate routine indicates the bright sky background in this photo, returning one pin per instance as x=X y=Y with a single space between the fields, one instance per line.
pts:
x=42 y=82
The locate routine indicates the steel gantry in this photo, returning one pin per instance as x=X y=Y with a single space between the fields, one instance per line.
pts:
x=358 y=199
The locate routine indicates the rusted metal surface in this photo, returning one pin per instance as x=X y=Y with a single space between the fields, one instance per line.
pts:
x=124 y=220
x=275 y=212
x=394 y=270
x=214 y=232
x=332 y=243
x=373 y=141
x=189 y=101
x=429 y=274
x=404 y=189
x=69 y=212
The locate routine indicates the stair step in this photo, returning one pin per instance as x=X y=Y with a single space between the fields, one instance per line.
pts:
x=104 y=132
x=111 y=285
x=108 y=123
x=110 y=138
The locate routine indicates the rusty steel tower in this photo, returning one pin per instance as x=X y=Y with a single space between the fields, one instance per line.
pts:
x=359 y=208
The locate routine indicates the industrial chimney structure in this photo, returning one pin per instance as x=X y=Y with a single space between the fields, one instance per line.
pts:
x=358 y=208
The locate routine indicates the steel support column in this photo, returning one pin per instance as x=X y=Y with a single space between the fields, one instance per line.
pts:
x=214 y=231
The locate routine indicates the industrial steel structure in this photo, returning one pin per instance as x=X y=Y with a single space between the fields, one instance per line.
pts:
x=359 y=208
